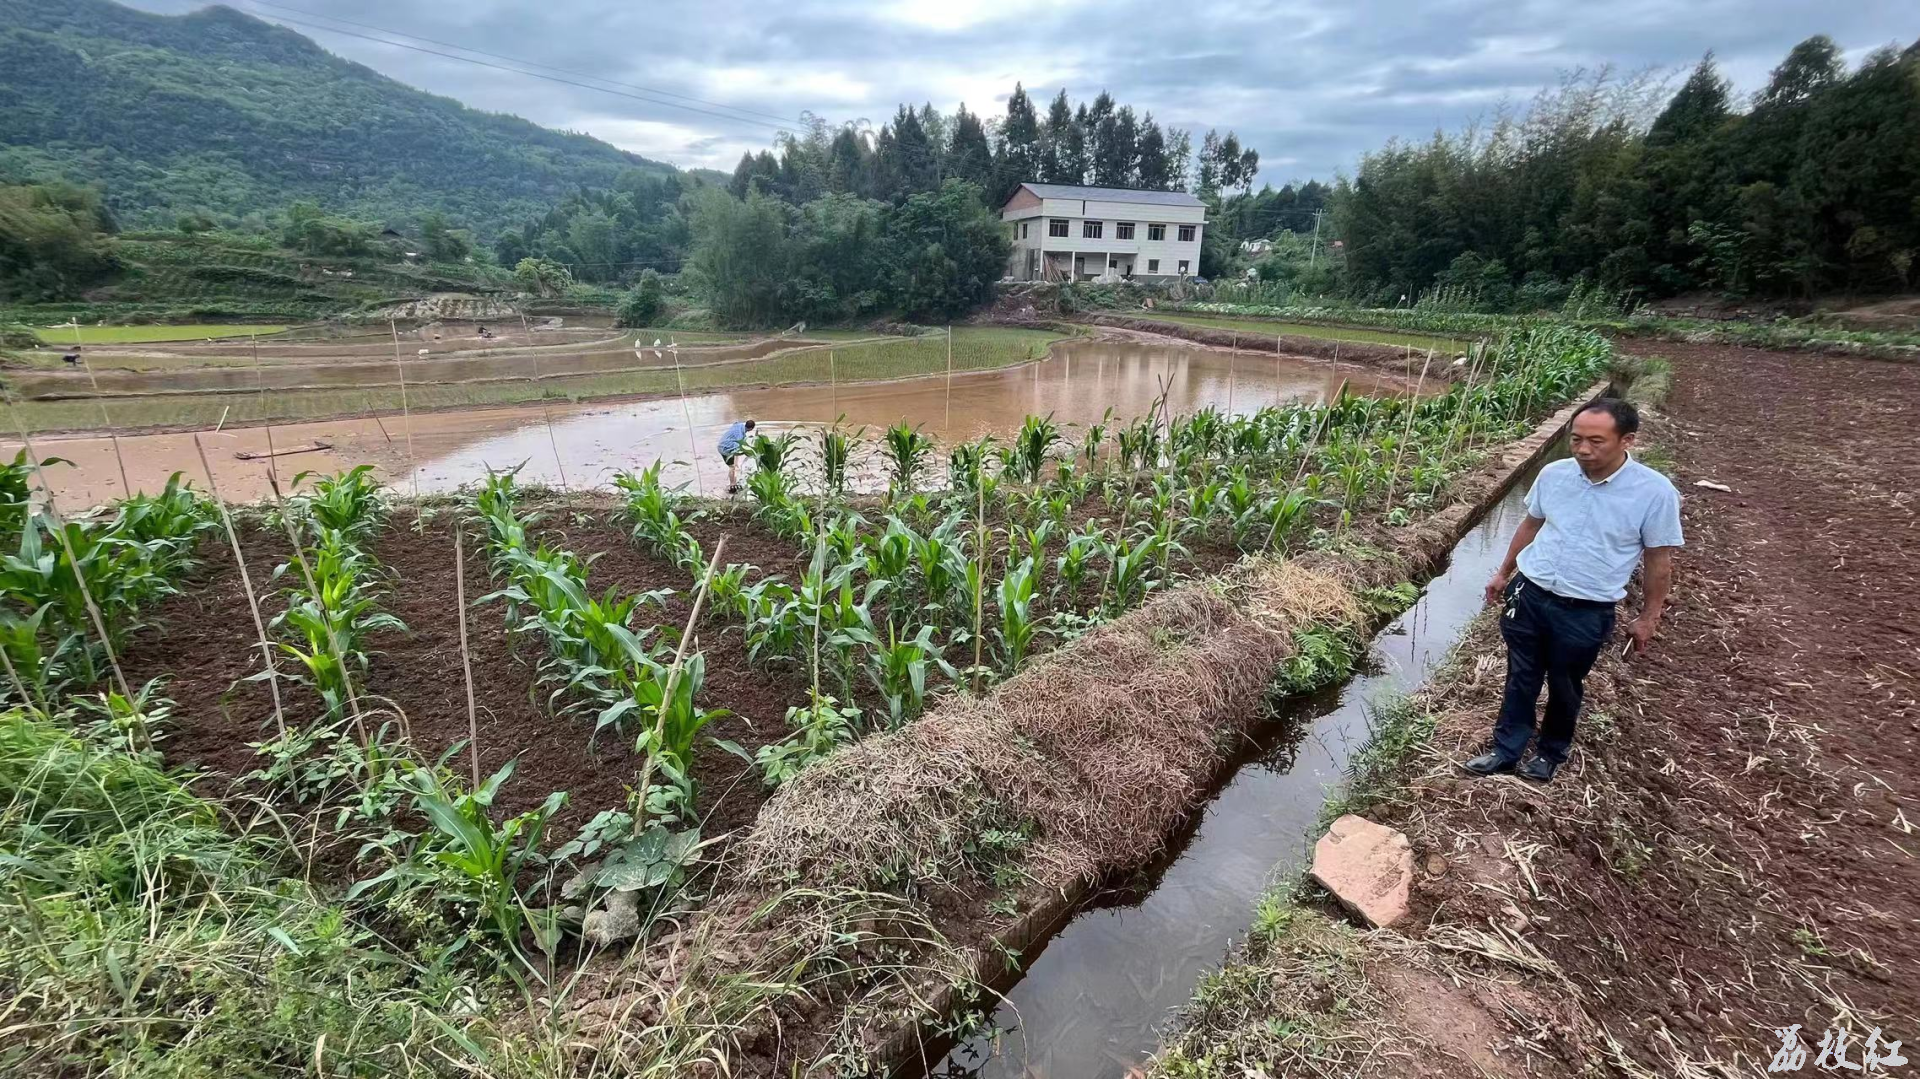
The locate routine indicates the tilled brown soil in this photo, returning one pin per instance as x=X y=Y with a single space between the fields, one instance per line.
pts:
x=203 y=642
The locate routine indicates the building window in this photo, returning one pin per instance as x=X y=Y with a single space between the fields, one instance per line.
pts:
x=1156 y=232
x=1057 y=226
x=1090 y=230
x=1153 y=265
x=1123 y=230
x=1023 y=230
x=1186 y=234
x=1183 y=267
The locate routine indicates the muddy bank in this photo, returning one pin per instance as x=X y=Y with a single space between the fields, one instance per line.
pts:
x=1385 y=358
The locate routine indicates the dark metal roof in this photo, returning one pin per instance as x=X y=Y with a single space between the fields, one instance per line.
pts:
x=1113 y=194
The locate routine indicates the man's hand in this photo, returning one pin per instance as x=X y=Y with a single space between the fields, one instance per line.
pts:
x=1498 y=585
x=1642 y=630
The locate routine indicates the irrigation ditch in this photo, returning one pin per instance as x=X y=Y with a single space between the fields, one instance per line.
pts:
x=1452 y=592
x=1092 y=993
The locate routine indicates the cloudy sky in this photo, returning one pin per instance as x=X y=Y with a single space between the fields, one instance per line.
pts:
x=1311 y=85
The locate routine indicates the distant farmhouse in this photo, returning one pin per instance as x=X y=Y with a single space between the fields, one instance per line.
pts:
x=1067 y=233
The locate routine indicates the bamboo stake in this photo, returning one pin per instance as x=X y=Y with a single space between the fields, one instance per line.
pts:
x=466 y=657
x=246 y=583
x=949 y=423
x=1413 y=405
x=313 y=589
x=375 y=413
x=112 y=435
x=66 y=544
x=406 y=413
x=545 y=414
x=260 y=395
x=673 y=682
x=833 y=385
x=686 y=410
x=223 y=418
x=980 y=555
x=20 y=687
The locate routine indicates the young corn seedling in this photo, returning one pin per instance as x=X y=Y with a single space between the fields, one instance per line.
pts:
x=837 y=450
x=898 y=669
x=1031 y=447
x=348 y=502
x=907 y=452
x=1074 y=568
x=1018 y=627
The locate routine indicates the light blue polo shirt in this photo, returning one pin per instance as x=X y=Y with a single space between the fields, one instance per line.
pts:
x=1594 y=532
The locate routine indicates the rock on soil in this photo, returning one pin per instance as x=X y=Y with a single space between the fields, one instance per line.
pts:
x=1368 y=867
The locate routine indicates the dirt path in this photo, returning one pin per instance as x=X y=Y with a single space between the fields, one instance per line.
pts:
x=1732 y=849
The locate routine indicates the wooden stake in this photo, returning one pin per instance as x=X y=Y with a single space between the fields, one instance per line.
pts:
x=949 y=423
x=66 y=544
x=466 y=657
x=545 y=414
x=673 y=682
x=1413 y=405
x=686 y=410
x=112 y=435
x=20 y=687
x=260 y=395
x=246 y=583
x=405 y=412
x=980 y=554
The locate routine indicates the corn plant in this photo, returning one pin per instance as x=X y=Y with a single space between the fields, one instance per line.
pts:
x=16 y=492
x=657 y=519
x=1073 y=568
x=167 y=525
x=786 y=515
x=820 y=726
x=898 y=668
x=671 y=723
x=940 y=562
x=472 y=863
x=837 y=450
x=775 y=629
x=907 y=452
x=348 y=502
x=1031 y=447
x=331 y=623
x=1131 y=570
x=1018 y=627
x=1096 y=435
x=967 y=465
x=772 y=454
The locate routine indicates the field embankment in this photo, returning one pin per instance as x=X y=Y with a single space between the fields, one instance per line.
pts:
x=1731 y=852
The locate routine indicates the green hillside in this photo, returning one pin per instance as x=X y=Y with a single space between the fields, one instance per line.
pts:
x=222 y=112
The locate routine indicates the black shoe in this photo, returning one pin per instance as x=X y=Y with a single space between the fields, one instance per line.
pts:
x=1490 y=764
x=1538 y=769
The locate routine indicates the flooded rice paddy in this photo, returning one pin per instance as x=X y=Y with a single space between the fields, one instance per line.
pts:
x=585 y=444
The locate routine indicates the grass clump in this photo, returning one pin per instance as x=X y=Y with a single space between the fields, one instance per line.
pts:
x=141 y=935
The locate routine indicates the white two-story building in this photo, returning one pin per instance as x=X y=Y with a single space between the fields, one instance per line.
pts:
x=1066 y=233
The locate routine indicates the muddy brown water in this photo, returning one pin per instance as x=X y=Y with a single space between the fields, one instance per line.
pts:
x=1078 y=382
x=1093 y=1004
x=332 y=371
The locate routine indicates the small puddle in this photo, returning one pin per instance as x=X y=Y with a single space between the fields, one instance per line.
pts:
x=1093 y=1003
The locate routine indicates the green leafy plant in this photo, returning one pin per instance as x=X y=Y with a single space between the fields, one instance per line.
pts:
x=907 y=451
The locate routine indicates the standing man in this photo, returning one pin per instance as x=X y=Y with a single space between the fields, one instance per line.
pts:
x=1589 y=521
x=731 y=445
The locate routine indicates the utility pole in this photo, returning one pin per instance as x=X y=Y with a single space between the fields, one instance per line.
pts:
x=1314 y=255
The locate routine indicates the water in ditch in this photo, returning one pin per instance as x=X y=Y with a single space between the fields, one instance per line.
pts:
x=1093 y=1003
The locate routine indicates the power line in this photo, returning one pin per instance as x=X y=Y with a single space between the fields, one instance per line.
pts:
x=526 y=63
x=517 y=71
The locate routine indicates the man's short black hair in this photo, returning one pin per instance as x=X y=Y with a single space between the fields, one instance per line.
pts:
x=1626 y=418
x=749 y=425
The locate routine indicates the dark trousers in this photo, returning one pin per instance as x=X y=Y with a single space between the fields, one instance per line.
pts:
x=1553 y=640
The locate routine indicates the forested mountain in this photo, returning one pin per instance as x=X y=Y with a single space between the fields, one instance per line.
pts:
x=220 y=112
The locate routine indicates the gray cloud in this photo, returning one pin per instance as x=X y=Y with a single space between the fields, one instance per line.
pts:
x=1311 y=85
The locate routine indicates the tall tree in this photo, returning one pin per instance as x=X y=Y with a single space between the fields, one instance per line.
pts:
x=1150 y=150
x=1020 y=145
x=968 y=156
x=1053 y=141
